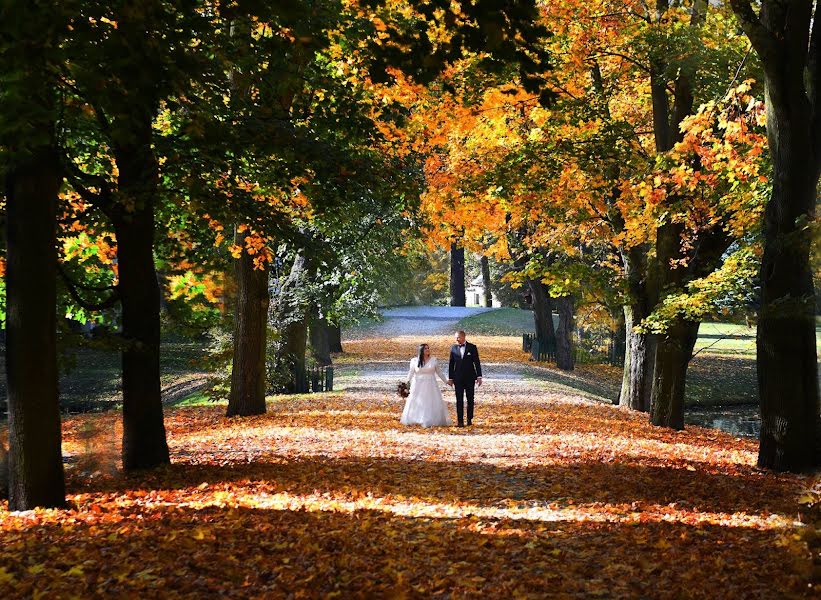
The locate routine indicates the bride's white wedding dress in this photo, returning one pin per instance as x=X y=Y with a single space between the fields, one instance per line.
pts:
x=425 y=405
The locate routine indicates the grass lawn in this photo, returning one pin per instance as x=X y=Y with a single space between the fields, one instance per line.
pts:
x=502 y=321
x=91 y=380
x=722 y=371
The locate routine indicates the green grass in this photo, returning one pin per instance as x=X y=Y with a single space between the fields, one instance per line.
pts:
x=725 y=338
x=502 y=321
x=90 y=379
x=198 y=398
x=721 y=380
x=732 y=339
x=729 y=339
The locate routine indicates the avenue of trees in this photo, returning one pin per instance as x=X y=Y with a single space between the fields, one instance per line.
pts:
x=264 y=165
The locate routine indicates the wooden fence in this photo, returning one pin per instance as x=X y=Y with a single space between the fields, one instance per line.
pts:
x=313 y=379
x=589 y=347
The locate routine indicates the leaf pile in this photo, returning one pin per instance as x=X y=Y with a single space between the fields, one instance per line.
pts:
x=328 y=496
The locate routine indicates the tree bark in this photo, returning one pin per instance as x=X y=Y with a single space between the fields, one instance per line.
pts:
x=486 y=281
x=673 y=353
x=335 y=338
x=619 y=340
x=542 y=312
x=4 y=471
x=320 y=338
x=35 y=456
x=787 y=39
x=247 y=396
x=786 y=345
x=457 y=275
x=637 y=380
x=292 y=323
x=565 y=355
x=144 y=441
x=674 y=348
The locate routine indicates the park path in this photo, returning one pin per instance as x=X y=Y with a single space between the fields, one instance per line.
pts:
x=436 y=324
x=416 y=320
x=327 y=495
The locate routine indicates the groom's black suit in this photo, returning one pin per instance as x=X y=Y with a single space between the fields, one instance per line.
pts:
x=464 y=371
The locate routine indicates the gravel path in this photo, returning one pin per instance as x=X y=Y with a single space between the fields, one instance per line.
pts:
x=416 y=320
x=502 y=382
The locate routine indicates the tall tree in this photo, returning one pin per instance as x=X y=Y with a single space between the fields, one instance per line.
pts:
x=29 y=34
x=542 y=312
x=673 y=348
x=787 y=38
x=486 y=282
x=116 y=66
x=247 y=395
x=457 y=275
x=292 y=310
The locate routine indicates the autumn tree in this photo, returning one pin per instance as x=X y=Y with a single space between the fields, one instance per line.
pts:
x=30 y=32
x=457 y=274
x=787 y=39
x=116 y=66
x=590 y=171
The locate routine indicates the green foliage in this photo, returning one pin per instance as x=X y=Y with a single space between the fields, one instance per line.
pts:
x=725 y=292
x=415 y=277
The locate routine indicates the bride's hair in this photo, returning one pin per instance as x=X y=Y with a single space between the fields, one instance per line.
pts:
x=420 y=361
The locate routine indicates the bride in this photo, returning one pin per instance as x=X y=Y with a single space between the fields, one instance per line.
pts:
x=425 y=405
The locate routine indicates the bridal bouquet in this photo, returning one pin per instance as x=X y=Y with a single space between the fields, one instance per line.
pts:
x=402 y=389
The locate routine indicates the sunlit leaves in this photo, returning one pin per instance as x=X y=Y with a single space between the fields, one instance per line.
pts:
x=538 y=497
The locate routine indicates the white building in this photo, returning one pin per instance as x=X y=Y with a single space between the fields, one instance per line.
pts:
x=475 y=294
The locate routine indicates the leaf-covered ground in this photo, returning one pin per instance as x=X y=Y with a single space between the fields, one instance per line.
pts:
x=549 y=495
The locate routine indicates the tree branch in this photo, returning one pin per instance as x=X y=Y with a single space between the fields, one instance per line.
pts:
x=82 y=182
x=72 y=286
x=90 y=288
x=761 y=39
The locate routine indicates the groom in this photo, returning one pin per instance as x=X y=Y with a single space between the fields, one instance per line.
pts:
x=464 y=372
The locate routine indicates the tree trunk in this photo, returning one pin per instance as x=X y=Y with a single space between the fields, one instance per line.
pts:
x=35 y=455
x=320 y=338
x=457 y=275
x=647 y=277
x=335 y=338
x=565 y=355
x=247 y=396
x=292 y=323
x=637 y=380
x=542 y=313
x=786 y=345
x=144 y=441
x=4 y=471
x=673 y=353
x=486 y=281
x=619 y=340
x=786 y=348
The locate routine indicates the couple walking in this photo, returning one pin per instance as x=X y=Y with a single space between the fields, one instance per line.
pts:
x=425 y=405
